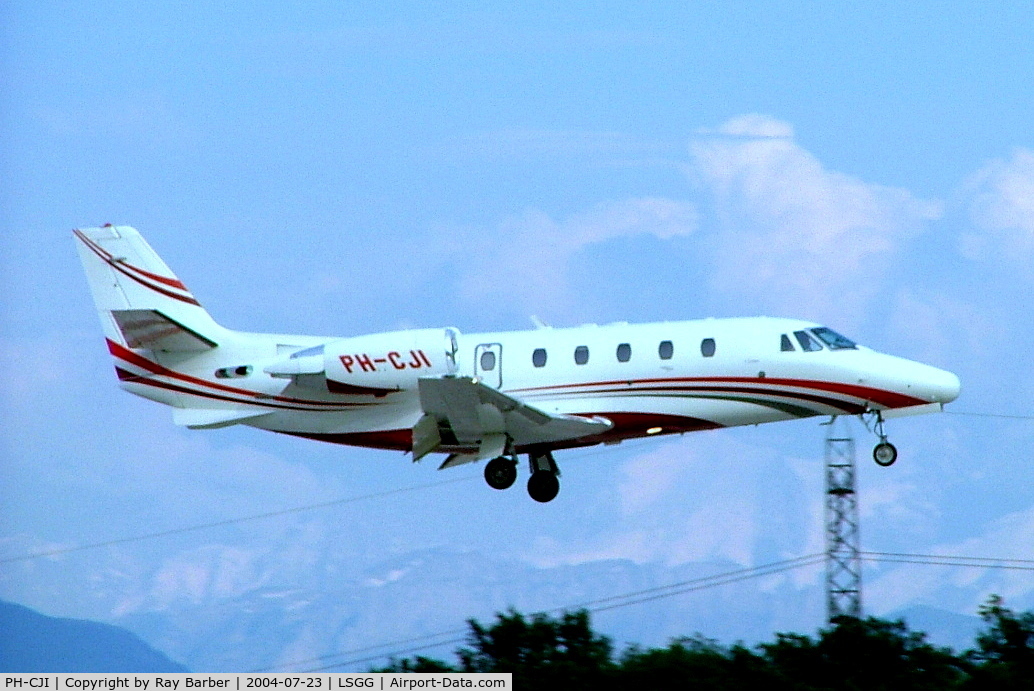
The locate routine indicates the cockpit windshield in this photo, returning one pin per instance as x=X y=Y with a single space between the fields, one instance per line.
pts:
x=833 y=340
x=807 y=341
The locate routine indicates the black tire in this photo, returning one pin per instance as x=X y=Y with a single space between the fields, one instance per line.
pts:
x=884 y=454
x=501 y=473
x=543 y=486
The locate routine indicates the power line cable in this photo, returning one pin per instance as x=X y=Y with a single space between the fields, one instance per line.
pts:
x=337 y=502
x=814 y=560
x=256 y=517
x=387 y=644
x=679 y=588
x=941 y=562
x=232 y=521
x=389 y=655
x=694 y=584
x=992 y=561
x=594 y=606
x=964 y=413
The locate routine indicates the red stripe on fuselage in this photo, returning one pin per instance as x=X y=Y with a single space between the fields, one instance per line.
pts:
x=889 y=399
x=129 y=356
x=756 y=392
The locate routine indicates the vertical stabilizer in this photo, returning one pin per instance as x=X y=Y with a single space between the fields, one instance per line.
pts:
x=141 y=303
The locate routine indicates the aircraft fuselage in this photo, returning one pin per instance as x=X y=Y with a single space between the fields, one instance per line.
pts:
x=486 y=396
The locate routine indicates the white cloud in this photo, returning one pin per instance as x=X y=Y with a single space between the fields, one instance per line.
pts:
x=1002 y=209
x=795 y=236
x=525 y=261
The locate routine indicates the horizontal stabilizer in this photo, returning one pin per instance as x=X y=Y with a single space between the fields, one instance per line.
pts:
x=212 y=418
x=153 y=330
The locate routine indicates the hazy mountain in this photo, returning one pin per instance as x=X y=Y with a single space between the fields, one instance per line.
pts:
x=220 y=610
x=959 y=631
x=33 y=642
x=331 y=616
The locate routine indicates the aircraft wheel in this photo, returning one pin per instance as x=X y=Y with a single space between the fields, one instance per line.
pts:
x=884 y=454
x=501 y=473
x=543 y=486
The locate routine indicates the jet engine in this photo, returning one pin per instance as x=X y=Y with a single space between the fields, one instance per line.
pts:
x=374 y=365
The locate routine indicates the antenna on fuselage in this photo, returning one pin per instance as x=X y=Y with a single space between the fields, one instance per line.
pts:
x=539 y=324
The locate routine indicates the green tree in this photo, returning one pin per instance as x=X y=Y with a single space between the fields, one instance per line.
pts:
x=871 y=653
x=1004 y=658
x=547 y=652
x=852 y=654
x=417 y=664
x=696 y=663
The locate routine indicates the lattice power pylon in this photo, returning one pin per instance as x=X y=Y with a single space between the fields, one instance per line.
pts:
x=843 y=565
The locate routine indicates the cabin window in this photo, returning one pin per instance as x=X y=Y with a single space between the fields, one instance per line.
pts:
x=707 y=347
x=538 y=357
x=785 y=344
x=624 y=352
x=834 y=340
x=808 y=343
x=487 y=361
x=665 y=350
x=581 y=355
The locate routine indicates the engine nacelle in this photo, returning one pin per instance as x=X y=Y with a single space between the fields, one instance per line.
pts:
x=380 y=364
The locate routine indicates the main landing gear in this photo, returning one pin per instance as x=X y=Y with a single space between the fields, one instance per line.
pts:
x=501 y=472
x=544 y=483
x=884 y=453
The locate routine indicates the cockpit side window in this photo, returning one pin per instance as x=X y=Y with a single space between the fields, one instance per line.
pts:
x=785 y=344
x=808 y=342
x=834 y=340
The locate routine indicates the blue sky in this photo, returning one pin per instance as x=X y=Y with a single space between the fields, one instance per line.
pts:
x=343 y=170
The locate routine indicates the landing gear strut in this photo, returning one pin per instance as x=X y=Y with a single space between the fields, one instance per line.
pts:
x=543 y=485
x=884 y=453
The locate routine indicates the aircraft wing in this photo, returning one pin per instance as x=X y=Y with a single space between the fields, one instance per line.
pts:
x=464 y=412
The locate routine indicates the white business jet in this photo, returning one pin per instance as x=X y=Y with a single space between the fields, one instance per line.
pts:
x=487 y=396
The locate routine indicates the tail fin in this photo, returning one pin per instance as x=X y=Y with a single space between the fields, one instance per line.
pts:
x=140 y=301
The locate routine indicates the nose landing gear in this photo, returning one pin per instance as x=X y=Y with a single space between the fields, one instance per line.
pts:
x=884 y=453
